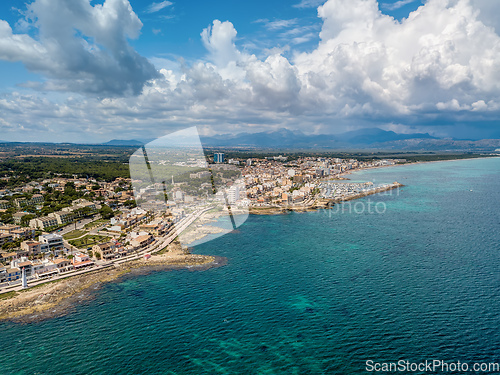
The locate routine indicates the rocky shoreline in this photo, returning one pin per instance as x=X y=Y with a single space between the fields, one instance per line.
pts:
x=56 y=299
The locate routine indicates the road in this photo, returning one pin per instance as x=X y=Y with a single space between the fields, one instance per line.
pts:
x=79 y=225
x=154 y=247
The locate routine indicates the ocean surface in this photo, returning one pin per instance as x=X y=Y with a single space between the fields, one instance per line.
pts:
x=413 y=274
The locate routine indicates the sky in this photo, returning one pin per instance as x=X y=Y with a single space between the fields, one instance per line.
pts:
x=89 y=71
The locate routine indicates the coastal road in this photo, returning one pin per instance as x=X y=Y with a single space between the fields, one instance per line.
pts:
x=156 y=246
x=79 y=225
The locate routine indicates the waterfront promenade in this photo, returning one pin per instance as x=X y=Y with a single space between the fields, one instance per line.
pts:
x=156 y=246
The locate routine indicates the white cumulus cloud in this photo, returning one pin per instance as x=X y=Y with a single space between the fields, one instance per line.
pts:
x=440 y=64
x=80 y=47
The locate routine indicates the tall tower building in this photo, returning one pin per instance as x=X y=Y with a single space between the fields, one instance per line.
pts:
x=219 y=157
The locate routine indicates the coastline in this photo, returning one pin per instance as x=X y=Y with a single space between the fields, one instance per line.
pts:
x=322 y=203
x=413 y=163
x=57 y=298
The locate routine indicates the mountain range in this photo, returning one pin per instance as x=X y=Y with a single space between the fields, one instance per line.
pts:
x=367 y=138
x=124 y=142
x=284 y=138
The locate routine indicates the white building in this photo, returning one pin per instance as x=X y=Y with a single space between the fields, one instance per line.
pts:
x=233 y=194
x=53 y=241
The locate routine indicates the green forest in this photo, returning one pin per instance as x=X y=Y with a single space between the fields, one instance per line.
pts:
x=23 y=170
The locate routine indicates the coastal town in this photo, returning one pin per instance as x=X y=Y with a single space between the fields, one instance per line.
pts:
x=61 y=227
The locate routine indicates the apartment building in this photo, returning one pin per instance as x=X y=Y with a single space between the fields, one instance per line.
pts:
x=53 y=241
x=32 y=247
x=141 y=241
x=43 y=222
x=156 y=228
x=63 y=265
x=62 y=217
x=105 y=250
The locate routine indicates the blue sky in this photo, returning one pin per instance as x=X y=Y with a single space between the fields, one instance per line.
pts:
x=172 y=29
x=79 y=71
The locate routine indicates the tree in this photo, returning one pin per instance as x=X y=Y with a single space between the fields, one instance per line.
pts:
x=130 y=204
x=26 y=219
x=70 y=190
x=106 y=212
x=6 y=217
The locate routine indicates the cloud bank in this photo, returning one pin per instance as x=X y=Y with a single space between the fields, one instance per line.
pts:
x=439 y=66
x=80 y=47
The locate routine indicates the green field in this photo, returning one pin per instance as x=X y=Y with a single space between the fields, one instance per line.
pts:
x=89 y=240
x=74 y=234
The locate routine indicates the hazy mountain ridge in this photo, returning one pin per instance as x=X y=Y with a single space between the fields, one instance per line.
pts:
x=284 y=138
x=370 y=138
x=124 y=142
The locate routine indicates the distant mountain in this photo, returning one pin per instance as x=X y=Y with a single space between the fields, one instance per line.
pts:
x=484 y=145
x=284 y=138
x=123 y=142
x=375 y=135
x=368 y=138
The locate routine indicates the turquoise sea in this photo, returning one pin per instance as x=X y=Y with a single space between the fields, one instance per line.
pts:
x=304 y=293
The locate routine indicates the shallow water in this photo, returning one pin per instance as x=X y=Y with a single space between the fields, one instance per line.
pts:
x=304 y=293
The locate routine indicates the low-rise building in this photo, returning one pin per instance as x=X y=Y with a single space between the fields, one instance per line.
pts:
x=141 y=241
x=44 y=268
x=23 y=233
x=8 y=257
x=21 y=202
x=105 y=250
x=18 y=216
x=23 y=263
x=63 y=264
x=36 y=199
x=7 y=229
x=54 y=242
x=4 y=205
x=10 y=274
x=81 y=260
x=32 y=247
